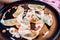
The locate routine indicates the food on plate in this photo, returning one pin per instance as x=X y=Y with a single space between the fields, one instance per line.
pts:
x=38 y=7
x=8 y=10
x=27 y=22
x=48 y=19
x=19 y=10
x=14 y=7
x=4 y=31
x=31 y=34
x=10 y=22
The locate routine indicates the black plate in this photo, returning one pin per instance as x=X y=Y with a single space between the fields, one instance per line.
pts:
x=31 y=2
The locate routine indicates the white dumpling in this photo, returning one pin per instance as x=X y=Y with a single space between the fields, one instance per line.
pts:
x=9 y=22
x=36 y=7
x=48 y=19
x=19 y=10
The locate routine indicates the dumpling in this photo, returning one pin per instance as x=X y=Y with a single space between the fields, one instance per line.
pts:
x=48 y=19
x=19 y=10
x=10 y=22
x=36 y=7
